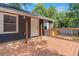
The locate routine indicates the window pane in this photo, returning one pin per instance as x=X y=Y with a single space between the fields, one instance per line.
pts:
x=6 y=18
x=9 y=19
x=12 y=19
x=9 y=23
x=9 y=27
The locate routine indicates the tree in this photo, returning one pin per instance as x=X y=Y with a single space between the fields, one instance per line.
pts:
x=74 y=8
x=52 y=12
x=70 y=18
x=61 y=19
x=40 y=9
x=74 y=14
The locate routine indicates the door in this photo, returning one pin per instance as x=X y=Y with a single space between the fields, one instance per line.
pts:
x=34 y=27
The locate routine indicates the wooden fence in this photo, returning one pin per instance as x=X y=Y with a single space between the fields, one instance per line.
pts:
x=66 y=33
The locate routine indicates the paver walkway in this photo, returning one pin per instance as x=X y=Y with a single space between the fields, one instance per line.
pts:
x=64 y=47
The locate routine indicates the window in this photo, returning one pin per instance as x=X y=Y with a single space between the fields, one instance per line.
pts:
x=9 y=23
x=45 y=26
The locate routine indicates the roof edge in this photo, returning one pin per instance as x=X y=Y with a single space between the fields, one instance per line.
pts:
x=29 y=13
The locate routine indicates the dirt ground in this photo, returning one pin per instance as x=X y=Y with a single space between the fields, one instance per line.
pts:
x=33 y=47
x=46 y=46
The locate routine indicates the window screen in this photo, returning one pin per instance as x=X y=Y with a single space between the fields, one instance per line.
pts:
x=9 y=23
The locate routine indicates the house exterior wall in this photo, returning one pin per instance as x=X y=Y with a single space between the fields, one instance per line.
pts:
x=9 y=36
x=24 y=26
x=34 y=27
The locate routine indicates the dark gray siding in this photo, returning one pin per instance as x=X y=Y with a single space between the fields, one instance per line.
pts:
x=15 y=36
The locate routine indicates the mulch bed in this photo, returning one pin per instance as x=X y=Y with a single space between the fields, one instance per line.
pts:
x=31 y=48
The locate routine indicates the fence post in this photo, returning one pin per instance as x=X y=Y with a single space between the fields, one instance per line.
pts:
x=50 y=30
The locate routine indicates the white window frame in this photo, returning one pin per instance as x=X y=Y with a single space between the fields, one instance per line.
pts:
x=16 y=23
